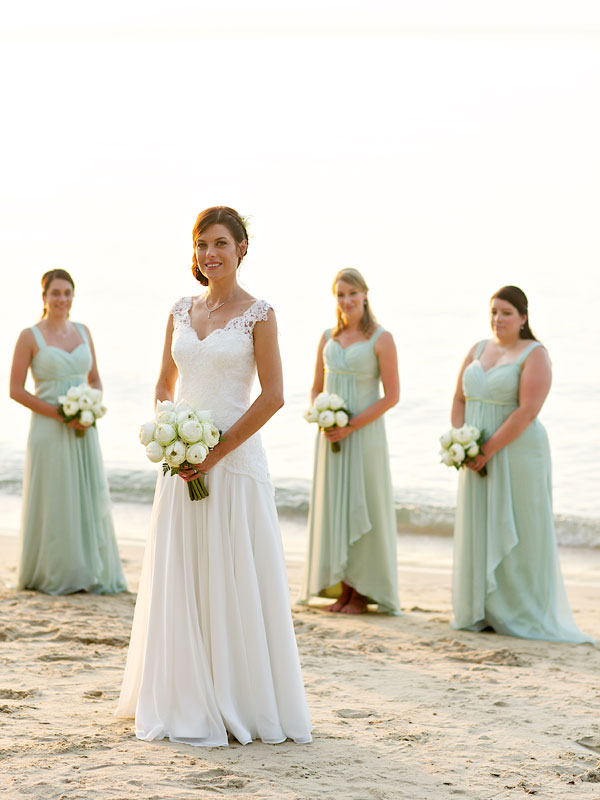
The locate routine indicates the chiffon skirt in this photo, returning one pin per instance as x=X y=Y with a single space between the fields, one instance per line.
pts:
x=67 y=538
x=212 y=649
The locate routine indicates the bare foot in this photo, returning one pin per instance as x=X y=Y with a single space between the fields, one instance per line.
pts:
x=357 y=604
x=343 y=599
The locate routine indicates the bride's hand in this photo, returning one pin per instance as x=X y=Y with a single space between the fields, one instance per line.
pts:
x=193 y=472
x=336 y=434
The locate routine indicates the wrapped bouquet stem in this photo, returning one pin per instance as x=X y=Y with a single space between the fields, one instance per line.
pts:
x=183 y=437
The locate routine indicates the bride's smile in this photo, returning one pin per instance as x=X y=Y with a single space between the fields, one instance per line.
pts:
x=217 y=253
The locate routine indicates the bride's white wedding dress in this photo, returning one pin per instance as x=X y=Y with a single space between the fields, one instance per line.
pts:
x=212 y=646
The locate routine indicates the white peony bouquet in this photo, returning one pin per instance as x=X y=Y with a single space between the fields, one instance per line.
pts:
x=328 y=411
x=460 y=445
x=82 y=403
x=182 y=437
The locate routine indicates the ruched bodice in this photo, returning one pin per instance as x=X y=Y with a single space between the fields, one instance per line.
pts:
x=216 y=374
x=55 y=370
x=498 y=385
x=353 y=372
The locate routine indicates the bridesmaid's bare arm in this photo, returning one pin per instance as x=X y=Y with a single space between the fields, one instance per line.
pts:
x=25 y=349
x=319 y=378
x=93 y=377
x=457 y=414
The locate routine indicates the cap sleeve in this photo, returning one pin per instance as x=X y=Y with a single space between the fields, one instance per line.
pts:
x=180 y=312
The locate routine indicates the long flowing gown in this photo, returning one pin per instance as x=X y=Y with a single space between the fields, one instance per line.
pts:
x=506 y=565
x=67 y=538
x=352 y=521
x=212 y=646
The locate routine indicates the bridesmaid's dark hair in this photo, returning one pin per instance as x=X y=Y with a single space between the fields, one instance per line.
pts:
x=368 y=322
x=218 y=215
x=51 y=275
x=517 y=298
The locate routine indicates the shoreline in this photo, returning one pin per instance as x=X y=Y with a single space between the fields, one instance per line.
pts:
x=132 y=521
x=402 y=707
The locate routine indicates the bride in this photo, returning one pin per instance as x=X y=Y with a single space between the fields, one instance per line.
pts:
x=212 y=647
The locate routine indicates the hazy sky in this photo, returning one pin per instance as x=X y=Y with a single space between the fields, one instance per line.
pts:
x=443 y=148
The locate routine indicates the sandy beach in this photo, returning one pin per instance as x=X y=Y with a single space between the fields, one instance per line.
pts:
x=402 y=707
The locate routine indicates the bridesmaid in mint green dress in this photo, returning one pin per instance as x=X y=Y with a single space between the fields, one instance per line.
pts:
x=506 y=565
x=352 y=522
x=67 y=537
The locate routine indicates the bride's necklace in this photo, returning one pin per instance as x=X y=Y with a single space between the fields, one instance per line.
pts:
x=215 y=308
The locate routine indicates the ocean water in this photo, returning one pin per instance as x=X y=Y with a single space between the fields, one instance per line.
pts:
x=431 y=344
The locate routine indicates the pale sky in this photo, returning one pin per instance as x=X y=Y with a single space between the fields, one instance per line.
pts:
x=443 y=148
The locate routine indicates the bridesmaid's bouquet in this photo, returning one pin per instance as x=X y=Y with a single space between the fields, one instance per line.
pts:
x=182 y=437
x=460 y=445
x=82 y=403
x=329 y=412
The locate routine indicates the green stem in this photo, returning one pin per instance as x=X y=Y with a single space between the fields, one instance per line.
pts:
x=196 y=489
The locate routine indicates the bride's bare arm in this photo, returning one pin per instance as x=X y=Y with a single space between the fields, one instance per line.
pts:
x=270 y=399
x=165 y=385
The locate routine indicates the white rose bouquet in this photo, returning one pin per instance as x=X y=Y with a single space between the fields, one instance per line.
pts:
x=460 y=445
x=182 y=437
x=328 y=411
x=82 y=403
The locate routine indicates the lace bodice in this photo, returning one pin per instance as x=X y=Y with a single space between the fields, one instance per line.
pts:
x=216 y=374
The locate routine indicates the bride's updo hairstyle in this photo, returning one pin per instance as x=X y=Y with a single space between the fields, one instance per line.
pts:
x=354 y=278
x=218 y=215
x=48 y=277
x=517 y=298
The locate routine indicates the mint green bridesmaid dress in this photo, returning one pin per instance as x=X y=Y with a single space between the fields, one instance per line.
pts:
x=352 y=522
x=67 y=538
x=506 y=564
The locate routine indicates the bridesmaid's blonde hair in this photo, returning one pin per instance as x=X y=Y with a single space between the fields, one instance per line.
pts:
x=355 y=279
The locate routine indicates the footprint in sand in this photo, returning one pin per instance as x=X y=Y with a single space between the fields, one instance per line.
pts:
x=591 y=742
x=16 y=694
x=349 y=713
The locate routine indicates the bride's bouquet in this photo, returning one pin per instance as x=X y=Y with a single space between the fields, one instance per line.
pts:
x=328 y=411
x=82 y=403
x=460 y=445
x=182 y=437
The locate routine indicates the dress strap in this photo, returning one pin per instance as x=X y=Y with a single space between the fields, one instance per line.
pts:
x=480 y=346
x=37 y=335
x=327 y=334
x=520 y=360
x=376 y=335
x=82 y=332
